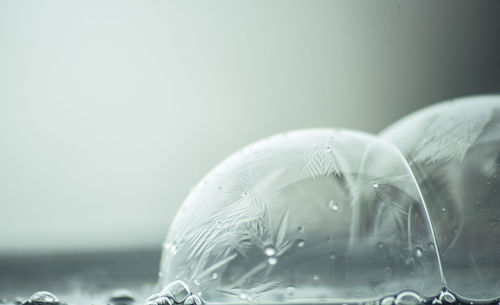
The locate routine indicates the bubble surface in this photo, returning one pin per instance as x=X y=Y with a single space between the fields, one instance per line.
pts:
x=453 y=149
x=336 y=216
x=316 y=206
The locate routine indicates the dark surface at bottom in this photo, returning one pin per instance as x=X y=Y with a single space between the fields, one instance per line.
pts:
x=90 y=273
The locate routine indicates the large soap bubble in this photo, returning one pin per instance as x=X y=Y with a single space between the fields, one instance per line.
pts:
x=310 y=216
x=454 y=151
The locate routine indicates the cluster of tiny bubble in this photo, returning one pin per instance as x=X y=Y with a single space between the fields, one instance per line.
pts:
x=176 y=292
x=412 y=298
x=445 y=297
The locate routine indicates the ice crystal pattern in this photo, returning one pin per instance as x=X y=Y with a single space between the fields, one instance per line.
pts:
x=329 y=215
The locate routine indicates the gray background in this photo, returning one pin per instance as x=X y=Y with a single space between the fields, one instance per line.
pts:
x=111 y=110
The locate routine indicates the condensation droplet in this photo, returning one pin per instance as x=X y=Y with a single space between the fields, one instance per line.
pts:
x=243 y=296
x=431 y=246
x=272 y=260
x=301 y=243
x=334 y=206
x=300 y=229
x=219 y=224
x=419 y=252
x=215 y=275
x=270 y=251
x=290 y=291
x=332 y=256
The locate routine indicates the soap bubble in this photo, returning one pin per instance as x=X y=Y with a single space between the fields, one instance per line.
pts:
x=309 y=210
x=42 y=298
x=453 y=149
x=121 y=297
x=408 y=298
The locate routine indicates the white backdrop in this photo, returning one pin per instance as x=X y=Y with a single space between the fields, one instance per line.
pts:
x=111 y=110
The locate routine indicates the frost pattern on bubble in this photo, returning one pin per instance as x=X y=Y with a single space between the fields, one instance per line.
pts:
x=328 y=214
x=454 y=151
x=337 y=216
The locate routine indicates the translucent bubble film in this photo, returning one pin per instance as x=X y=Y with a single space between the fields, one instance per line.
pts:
x=335 y=216
x=453 y=149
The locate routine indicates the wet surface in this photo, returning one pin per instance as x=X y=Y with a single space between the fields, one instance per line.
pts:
x=90 y=275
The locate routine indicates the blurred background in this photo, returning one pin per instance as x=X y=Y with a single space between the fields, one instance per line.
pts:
x=110 y=111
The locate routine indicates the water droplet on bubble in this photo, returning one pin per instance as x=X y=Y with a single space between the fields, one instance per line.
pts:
x=431 y=246
x=334 y=206
x=419 y=253
x=243 y=296
x=272 y=260
x=270 y=251
x=215 y=275
x=219 y=224
x=301 y=243
x=332 y=255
